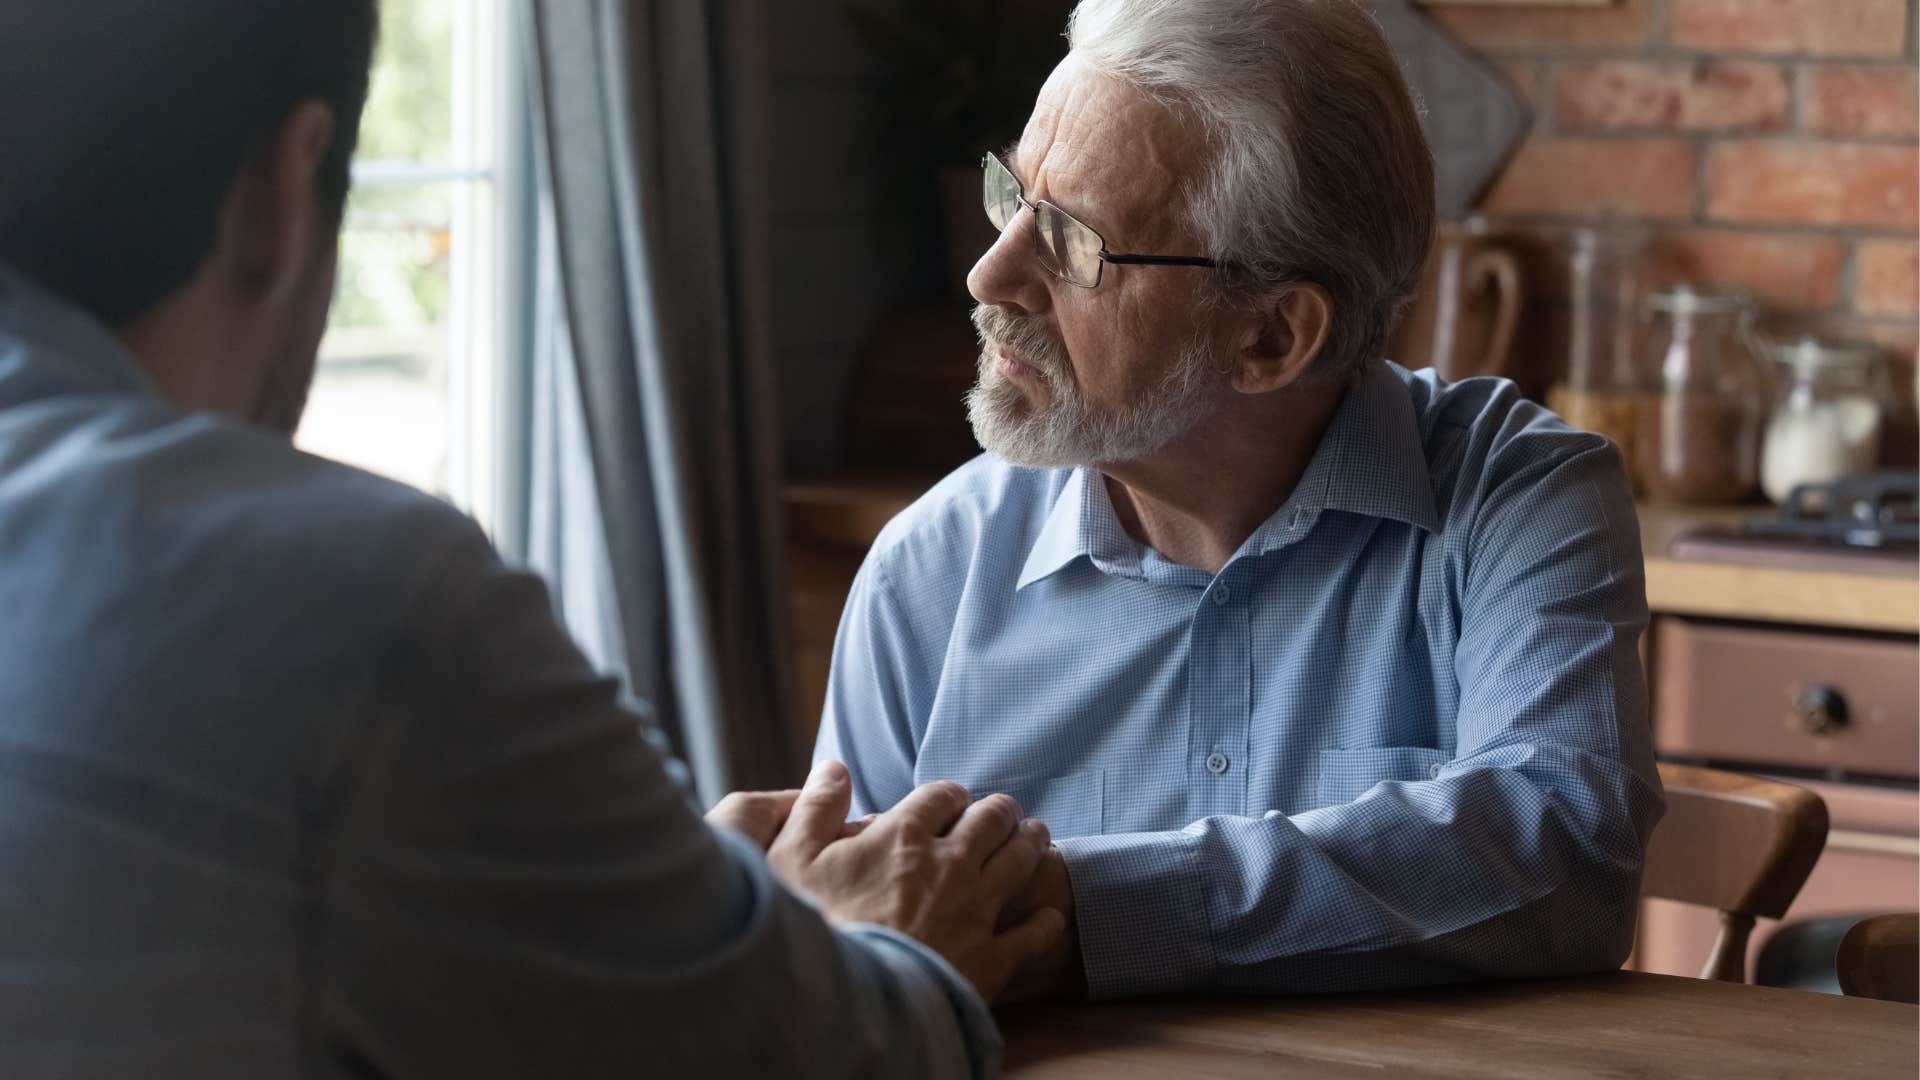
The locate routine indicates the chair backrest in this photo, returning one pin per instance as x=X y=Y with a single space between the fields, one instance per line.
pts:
x=1736 y=843
x=1880 y=958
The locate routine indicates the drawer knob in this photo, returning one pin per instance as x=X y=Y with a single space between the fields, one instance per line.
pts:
x=1822 y=710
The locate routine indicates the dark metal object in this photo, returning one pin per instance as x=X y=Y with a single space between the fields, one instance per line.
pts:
x=1877 y=510
x=1800 y=955
x=1823 y=710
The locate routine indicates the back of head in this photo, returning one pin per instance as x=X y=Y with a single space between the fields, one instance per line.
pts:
x=124 y=123
x=1320 y=171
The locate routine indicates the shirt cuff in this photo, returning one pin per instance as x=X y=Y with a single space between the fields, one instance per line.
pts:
x=945 y=1003
x=1140 y=908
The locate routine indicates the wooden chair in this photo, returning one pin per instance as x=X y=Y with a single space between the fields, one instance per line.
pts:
x=1880 y=958
x=1736 y=843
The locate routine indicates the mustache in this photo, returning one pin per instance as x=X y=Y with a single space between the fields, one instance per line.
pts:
x=1023 y=335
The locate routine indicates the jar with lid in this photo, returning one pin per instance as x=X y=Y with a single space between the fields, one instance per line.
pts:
x=1596 y=390
x=1826 y=421
x=1697 y=421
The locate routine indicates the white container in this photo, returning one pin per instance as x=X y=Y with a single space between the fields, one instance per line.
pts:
x=1826 y=422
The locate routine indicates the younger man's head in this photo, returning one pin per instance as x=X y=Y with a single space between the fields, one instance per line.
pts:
x=178 y=170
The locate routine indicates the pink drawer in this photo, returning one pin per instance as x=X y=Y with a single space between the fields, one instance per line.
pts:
x=1798 y=699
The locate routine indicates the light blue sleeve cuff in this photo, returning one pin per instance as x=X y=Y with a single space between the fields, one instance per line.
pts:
x=949 y=1008
x=1140 y=908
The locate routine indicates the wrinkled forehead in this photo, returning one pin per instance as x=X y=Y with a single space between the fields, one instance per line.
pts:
x=1110 y=154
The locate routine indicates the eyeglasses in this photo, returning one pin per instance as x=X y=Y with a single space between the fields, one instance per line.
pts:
x=1069 y=250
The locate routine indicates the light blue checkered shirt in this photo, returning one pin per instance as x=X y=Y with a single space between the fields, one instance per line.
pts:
x=1401 y=738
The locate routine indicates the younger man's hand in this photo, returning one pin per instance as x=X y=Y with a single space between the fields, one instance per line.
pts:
x=938 y=867
x=757 y=815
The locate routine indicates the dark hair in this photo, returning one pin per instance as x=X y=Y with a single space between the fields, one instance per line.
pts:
x=124 y=124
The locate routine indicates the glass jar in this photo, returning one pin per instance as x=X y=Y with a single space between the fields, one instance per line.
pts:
x=1698 y=417
x=1596 y=390
x=1826 y=421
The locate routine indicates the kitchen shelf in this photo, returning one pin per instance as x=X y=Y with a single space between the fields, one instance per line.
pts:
x=1847 y=601
x=1851 y=601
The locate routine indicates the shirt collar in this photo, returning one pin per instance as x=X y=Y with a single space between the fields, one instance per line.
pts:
x=1371 y=461
x=1082 y=522
x=49 y=345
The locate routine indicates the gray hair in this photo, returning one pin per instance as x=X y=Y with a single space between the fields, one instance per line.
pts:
x=1319 y=170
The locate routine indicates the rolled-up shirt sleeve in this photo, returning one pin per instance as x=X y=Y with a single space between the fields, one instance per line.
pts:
x=516 y=887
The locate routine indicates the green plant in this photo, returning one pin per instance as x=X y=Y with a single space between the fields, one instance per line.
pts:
x=964 y=72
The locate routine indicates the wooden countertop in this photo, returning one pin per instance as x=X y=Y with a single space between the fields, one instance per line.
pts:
x=1618 y=1024
x=850 y=510
x=1852 y=601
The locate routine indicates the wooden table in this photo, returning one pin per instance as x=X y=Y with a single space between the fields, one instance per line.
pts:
x=1621 y=1024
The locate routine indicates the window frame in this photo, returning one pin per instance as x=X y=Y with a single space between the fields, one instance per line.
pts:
x=488 y=323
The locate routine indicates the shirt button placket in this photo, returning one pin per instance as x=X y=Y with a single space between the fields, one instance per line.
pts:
x=1218 y=673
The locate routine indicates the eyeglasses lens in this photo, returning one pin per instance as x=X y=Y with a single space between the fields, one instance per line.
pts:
x=1066 y=247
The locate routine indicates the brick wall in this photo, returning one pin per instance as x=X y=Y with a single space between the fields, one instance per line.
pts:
x=1770 y=143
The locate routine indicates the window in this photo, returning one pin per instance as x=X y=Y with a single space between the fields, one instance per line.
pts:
x=424 y=348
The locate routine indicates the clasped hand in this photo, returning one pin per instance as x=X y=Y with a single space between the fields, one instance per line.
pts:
x=950 y=872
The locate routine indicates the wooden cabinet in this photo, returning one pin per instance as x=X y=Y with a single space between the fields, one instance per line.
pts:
x=1809 y=676
x=1787 y=698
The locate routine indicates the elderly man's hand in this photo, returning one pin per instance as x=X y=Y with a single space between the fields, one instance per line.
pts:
x=938 y=867
x=1058 y=972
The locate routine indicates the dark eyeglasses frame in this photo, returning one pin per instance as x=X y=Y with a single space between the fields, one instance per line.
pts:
x=1105 y=256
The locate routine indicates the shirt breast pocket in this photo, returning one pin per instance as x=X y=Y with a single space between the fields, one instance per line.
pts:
x=1345 y=775
x=1071 y=805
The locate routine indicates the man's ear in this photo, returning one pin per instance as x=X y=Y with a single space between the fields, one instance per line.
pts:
x=271 y=226
x=1289 y=330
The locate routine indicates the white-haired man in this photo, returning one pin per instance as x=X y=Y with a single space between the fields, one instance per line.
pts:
x=1322 y=673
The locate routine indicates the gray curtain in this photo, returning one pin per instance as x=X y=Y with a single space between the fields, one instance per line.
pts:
x=654 y=372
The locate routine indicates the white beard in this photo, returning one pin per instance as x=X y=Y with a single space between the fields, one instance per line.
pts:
x=1067 y=432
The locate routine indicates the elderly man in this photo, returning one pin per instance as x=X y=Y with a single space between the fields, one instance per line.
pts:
x=1322 y=672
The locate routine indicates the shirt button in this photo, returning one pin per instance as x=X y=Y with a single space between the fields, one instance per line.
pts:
x=1433 y=771
x=1216 y=763
x=1221 y=594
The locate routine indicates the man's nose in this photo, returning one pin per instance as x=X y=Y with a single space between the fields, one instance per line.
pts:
x=1008 y=274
